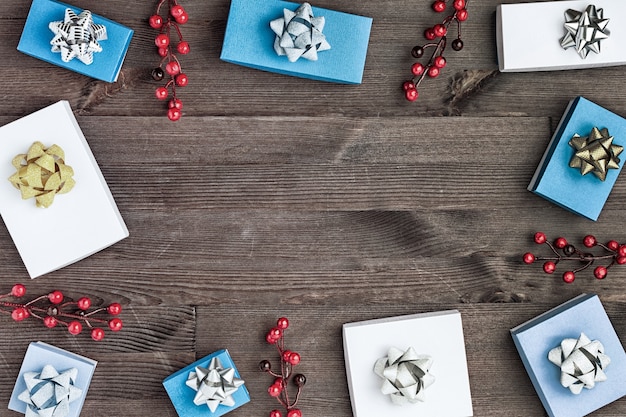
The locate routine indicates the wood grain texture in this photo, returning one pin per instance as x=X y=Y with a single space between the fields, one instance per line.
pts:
x=326 y=203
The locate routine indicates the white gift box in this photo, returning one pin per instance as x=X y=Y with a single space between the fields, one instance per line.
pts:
x=438 y=334
x=79 y=223
x=529 y=34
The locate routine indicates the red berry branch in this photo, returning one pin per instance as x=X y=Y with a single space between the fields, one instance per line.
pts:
x=288 y=359
x=49 y=308
x=438 y=37
x=615 y=253
x=177 y=78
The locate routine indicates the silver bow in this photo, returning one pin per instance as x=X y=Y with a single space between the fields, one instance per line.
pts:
x=581 y=361
x=215 y=385
x=77 y=36
x=405 y=375
x=585 y=30
x=49 y=393
x=299 y=34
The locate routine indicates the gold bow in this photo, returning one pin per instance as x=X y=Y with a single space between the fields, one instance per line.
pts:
x=595 y=153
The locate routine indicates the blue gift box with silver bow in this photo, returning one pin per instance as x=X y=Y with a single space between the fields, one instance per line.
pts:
x=573 y=357
x=75 y=39
x=583 y=159
x=209 y=387
x=52 y=382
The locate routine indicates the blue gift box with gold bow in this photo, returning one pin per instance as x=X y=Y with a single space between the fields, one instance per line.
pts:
x=583 y=160
x=77 y=40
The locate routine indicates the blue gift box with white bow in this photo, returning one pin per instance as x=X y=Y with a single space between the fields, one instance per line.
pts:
x=209 y=387
x=558 y=182
x=37 y=36
x=536 y=338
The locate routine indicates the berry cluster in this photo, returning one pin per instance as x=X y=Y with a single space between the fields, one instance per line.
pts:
x=436 y=62
x=49 y=309
x=616 y=254
x=288 y=359
x=177 y=78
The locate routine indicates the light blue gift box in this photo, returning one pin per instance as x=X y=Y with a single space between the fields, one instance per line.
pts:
x=40 y=354
x=182 y=396
x=249 y=41
x=36 y=37
x=535 y=338
x=556 y=181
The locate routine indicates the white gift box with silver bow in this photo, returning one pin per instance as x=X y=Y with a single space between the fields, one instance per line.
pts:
x=529 y=36
x=432 y=342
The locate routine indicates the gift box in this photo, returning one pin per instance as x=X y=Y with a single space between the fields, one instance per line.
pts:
x=209 y=387
x=77 y=224
x=537 y=337
x=40 y=363
x=557 y=181
x=529 y=36
x=438 y=337
x=36 y=37
x=249 y=41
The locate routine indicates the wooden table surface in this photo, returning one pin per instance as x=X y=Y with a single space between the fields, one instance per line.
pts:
x=277 y=196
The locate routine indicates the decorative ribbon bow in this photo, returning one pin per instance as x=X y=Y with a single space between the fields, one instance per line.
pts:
x=215 y=385
x=49 y=393
x=595 y=153
x=299 y=34
x=585 y=30
x=405 y=375
x=42 y=173
x=77 y=36
x=581 y=361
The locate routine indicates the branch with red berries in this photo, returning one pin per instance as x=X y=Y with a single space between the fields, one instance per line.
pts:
x=169 y=61
x=52 y=311
x=288 y=359
x=615 y=254
x=437 y=35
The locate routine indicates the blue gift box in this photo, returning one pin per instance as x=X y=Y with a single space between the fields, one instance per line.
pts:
x=249 y=41
x=36 y=37
x=40 y=354
x=556 y=181
x=182 y=396
x=535 y=338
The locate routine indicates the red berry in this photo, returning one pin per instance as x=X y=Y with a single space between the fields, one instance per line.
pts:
x=621 y=260
x=560 y=242
x=97 y=334
x=114 y=309
x=612 y=244
x=440 y=62
x=439 y=6
x=568 y=277
x=162 y=40
x=274 y=390
x=270 y=339
x=622 y=250
x=19 y=314
x=161 y=93
x=175 y=103
x=433 y=72
x=294 y=358
x=440 y=30
x=276 y=413
x=172 y=68
x=18 y=290
x=458 y=4
x=74 y=327
x=115 y=324
x=549 y=267
x=286 y=354
x=276 y=332
x=50 y=322
x=294 y=413
x=282 y=323
x=156 y=21
x=182 y=19
x=529 y=258
x=408 y=85
x=177 y=10
x=162 y=52
x=461 y=15
x=590 y=241
x=279 y=382
x=600 y=272
x=540 y=237
x=417 y=69
x=55 y=297
x=182 y=80
x=84 y=303
x=429 y=34
x=411 y=94
x=183 y=48
x=174 y=114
